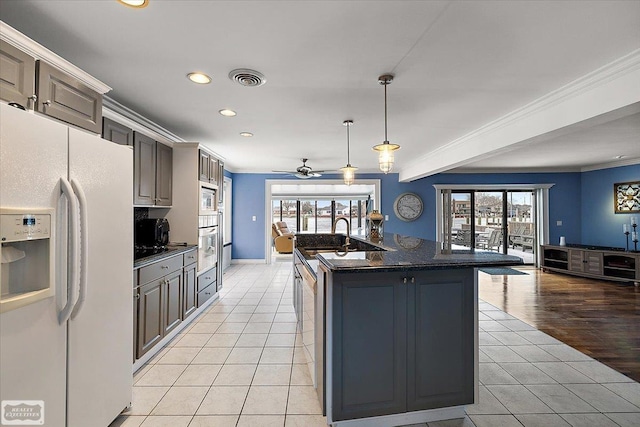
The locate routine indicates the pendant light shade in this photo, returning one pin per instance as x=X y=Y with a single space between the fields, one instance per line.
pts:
x=348 y=172
x=386 y=149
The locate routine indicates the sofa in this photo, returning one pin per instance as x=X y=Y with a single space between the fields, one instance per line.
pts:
x=282 y=237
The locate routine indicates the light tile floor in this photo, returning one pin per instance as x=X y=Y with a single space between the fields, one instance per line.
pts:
x=240 y=364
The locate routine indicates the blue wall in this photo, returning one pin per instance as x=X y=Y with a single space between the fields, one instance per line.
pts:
x=600 y=225
x=565 y=204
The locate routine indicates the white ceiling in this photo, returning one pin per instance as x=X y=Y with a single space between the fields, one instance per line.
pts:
x=458 y=67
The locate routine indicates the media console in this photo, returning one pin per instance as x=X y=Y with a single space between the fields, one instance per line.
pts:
x=593 y=261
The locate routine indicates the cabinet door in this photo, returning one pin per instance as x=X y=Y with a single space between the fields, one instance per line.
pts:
x=576 y=259
x=17 y=75
x=173 y=301
x=150 y=315
x=144 y=170
x=220 y=184
x=440 y=336
x=204 y=166
x=593 y=262
x=65 y=98
x=164 y=174
x=213 y=170
x=115 y=132
x=189 y=286
x=585 y=261
x=369 y=345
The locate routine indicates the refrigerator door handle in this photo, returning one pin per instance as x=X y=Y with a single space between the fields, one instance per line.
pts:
x=72 y=290
x=84 y=245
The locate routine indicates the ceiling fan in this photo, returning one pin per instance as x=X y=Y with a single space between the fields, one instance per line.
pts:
x=304 y=171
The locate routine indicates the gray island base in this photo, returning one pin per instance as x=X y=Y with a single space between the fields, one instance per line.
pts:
x=390 y=331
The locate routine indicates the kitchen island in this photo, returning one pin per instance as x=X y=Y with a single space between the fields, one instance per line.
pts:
x=390 y=328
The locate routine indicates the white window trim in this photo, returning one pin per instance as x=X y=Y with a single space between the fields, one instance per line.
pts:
x=269 y=200
x=541 y=192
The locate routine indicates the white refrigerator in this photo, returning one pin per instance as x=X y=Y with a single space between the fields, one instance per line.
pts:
x=71 y=348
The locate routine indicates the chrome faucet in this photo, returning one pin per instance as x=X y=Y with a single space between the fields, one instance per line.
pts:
x=347 y=241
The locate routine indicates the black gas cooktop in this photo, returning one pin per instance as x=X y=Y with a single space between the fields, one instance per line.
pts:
x=145 y=251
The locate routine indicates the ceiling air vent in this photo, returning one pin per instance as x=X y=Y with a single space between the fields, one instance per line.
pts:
x=247 y=77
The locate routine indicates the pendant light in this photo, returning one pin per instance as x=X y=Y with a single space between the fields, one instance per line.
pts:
x=385 y=150
x=348 y=172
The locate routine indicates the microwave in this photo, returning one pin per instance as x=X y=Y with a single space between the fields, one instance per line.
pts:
x=208 y=201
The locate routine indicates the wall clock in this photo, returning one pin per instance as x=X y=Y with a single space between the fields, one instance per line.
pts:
x=408 y=206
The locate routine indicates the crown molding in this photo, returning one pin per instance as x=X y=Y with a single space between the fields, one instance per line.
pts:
x=609 y=165
x=618 y=77
x=114 y=110
x=35 y=49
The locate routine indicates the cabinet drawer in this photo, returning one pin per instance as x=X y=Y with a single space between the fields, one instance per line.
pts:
x=206 y=294
x=190 y=257
x=206 y=278
x=159 y=269
x=65 y=98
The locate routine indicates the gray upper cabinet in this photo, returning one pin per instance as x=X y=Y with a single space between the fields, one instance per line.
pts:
x=220 y=183
x=153 y=172
x=144 y=170
x=213 y=170
x=17 y=76
x=210 y=169
x=204 y=166
x=65 y=98
x=164 y=174
x=115 y=132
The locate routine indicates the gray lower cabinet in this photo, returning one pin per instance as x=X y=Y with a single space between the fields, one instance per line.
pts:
x=440 y=331
x=115 y=132
x=17 y=76
x=189 y=293
x=173 y=301
x=153 y=171
x=401 y=342
x=206 y=286
x=65 y=98
x=150 y=316
x=166 y=295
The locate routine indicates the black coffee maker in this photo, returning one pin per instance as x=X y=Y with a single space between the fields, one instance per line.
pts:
x=152 y=232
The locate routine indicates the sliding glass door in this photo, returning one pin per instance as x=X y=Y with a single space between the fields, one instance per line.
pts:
x=497 y=220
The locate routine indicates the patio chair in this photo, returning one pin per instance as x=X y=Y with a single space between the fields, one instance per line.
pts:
x=493 y=242
x=463 y=238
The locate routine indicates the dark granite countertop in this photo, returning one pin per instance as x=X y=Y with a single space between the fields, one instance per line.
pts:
x=172 y=250
x=403 y=253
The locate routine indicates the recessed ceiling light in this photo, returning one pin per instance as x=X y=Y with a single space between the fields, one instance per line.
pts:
x=227 y=113
x=199 y=78
x=138 y=4
x=246 y=134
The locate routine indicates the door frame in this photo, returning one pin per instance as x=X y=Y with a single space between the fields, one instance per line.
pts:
x=541 y=194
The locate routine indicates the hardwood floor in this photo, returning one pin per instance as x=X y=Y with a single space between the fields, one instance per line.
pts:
x=599 y=318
